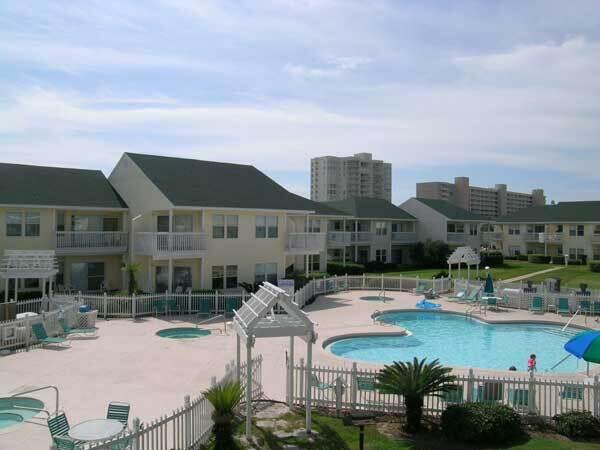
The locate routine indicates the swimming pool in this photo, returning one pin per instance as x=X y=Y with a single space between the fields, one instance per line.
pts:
x=183 y=333
x=15 y=410
x=465 y=342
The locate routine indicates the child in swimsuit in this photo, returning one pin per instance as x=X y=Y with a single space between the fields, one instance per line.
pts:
x=531 y=363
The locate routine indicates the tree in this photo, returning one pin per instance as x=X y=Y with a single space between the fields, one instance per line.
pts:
x=415 y=380
x=132 y=269
x=224 y=398
x=430 y=253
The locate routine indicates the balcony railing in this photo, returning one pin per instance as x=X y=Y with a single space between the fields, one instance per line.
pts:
x=341 y=238
x=490 y=236
x=170 y=245
x=408 y=237
x=596 y=238
x=532 y=237
x=550 y=238
x=72 y=242
x=306 y=243
x=457 y=238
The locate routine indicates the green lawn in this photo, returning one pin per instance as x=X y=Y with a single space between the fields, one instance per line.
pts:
x=333 y=435
x=572 y=276
x=510 y=269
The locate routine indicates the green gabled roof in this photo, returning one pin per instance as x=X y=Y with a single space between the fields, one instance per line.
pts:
x=370 y=208
x=55 y=186
x=451 y=211
x=192 y=182
x=585 y=211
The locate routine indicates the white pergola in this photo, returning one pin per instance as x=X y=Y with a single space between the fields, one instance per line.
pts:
x=257 y=319
x=464 y=255
x=17 y=264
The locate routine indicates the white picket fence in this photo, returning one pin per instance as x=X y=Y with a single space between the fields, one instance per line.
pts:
x=369 y=282
x=355 y=389
x=186 y=427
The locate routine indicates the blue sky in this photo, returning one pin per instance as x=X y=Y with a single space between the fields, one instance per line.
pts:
x=500 y=91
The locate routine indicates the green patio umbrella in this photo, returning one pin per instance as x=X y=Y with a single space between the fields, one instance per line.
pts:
x=489 y=284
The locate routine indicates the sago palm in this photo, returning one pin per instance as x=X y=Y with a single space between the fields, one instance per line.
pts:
x=224 y=398
x=415 y=380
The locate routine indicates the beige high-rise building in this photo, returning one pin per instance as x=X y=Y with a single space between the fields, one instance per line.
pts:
x=339 y=178
x=489 y=202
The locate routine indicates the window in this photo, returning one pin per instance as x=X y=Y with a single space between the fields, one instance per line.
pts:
x=232 y=226
x=218 y=226
x=596 y=254
x=110 y=224
x=559 y=228
x=380 y=228
x=473 y=229
x=231 y=277
x=14 y=223
x=597 y=229
x=31 y=283
x=162 y=278
x=266 y=272
x=456 y=227
x=514 y=230
x=182 y=278
x=60 y=221
x=87 y=276
x=314 y=226
x=162 y=224
x=183 y=224
x=576 y=253
x=224 y=277
x=536 y=228
x=87 y=223
x=314 y=263
x=218 y=275
x=403 y=227
x=381 y=255
x=576 y=230
x=32 y=224
x=266 y=227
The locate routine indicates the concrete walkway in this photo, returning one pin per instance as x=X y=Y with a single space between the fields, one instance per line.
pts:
x=533 y=274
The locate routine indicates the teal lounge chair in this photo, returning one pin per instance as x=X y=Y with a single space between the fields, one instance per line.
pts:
x=537 y=305
x=315 y=382
x=458 y=296
x=205 y=307
x=421 y=288
x=454 y=395
x=173 y=306
x=58 y=426
x=118 y=411
x=473 y=297
x=160 y=307
x=231 y=303
x=563 y=306
x=519 y=399
x=40 y=334
x=585 y=306
x=68 y=331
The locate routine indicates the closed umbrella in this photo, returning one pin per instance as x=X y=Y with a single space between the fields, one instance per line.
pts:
x=489 y=284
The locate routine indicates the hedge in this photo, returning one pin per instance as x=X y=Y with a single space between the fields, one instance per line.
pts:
x=559 y=260
x=538 y=259
x=492 y=259
x=577 y=425
x=338 y=268
x=595 y=267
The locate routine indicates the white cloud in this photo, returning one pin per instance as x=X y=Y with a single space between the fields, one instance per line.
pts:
x=335 y=67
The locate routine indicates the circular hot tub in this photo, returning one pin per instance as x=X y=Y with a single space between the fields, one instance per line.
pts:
x=15 y=410
x=377 y=298
x=183 y=333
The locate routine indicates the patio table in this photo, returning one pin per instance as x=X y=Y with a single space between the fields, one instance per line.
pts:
x=96 y=430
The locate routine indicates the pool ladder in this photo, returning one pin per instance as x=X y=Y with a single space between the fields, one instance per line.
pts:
x=210 y=319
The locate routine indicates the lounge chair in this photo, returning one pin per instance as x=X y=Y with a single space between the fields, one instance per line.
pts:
x=563 y=306
x=458 y=296
x=160 y=307
x=315 y=382
x=473 y=297
x=58 y=425
x=40 y=334
x=118 y=411
x=519 y=399
x=173 y=306
x=68 y=331
x=537 y=305
x=421 y=288
x=231 y=303
x=205 y=308
x=585 y=306
x=454 y=395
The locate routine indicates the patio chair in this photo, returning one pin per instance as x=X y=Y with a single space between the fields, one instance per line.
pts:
x=160 y=307
x=68 y=331
x=40 y=334
x=596 y=307
x=231 y=303
x=58 y=425
x=454 y=395
x=519 y=399
x=491 y=302
x=315 y=382
x=563 y=306
x=489 y=392
x=585 y=306
x=118 y=411
x=205 y=308
x=537 y=305
x=173 y=306
x=421 y=288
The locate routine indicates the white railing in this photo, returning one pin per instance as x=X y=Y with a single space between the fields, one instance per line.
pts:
x=490 y=236
x=550 y=238
x=355 y=389
x=91 y=240
x=348 y=237
x=595 y=237
x=306 y=242
x=170 y=244
x=532 y=237
x=409 y=237
x=457 y=238
x=185 y=428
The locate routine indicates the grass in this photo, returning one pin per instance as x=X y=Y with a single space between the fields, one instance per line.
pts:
x=333 y=435
x=572 y=276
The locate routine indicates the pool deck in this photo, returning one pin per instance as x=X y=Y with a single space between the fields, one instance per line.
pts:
x=128 y=362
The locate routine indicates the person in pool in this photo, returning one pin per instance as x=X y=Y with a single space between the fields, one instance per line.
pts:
x=531 y=363
x=512 y=368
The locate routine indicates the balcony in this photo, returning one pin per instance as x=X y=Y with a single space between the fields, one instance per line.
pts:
x=457 y=238
x=404 y=237
x=345 y=238
x=532 y=237
x=596 y=238
x=550 y=238
x=306 y=243
x=491 y=236
x=90 y=242
x=171 y=245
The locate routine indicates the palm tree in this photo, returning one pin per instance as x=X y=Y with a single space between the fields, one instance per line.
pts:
x=414 y=380
x=224 y=398
x=131 y=270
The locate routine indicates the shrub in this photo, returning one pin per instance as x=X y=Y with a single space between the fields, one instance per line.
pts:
x=481 y=422
x=441 y=274
x=559 y=260
x=583 y=259
x=595 y=267
x=538 y=259
x=577 y=424
x=379 y=267
x=492 y=259
x=338 y=268
x=429 y=253
x=574 y=262
x=522 y=257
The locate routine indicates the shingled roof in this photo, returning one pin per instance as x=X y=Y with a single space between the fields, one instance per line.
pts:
x=451 y=211
x=370 y=208
x=584 y=211
x=53 y=186
x=197 y=183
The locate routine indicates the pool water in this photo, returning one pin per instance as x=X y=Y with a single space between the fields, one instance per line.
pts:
x=459 y=341
x=183 y=333
x=13 y=410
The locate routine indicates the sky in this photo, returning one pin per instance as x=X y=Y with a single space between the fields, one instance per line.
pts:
x=499 y=91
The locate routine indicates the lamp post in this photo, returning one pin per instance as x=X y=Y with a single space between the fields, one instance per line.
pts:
x=132 y=240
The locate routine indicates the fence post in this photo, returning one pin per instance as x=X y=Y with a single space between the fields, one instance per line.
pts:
x=133 y=306
x=104 y=303
x=382 y=281
x=470 y=385
x=27 y=332
x=136 y=438
x=400 y=282
x=347 y=287
x=339 y=392
x=363 y=281
x=301 y=378
x=596 y=399
x=531 y=394
x=188 y=421
x=354 y=386
x=189 y=301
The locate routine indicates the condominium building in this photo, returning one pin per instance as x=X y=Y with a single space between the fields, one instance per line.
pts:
x=489 y=202
x=335 y=178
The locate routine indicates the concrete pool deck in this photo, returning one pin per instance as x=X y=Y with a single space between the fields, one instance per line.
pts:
x=128 y=362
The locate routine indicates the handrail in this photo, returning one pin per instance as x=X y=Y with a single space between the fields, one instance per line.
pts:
x=212 y=318
x=571 y=319
x=40 y=389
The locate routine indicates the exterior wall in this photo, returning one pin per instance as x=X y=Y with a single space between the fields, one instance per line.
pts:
x=45 y=241
x=431 y=224
x=113 y=275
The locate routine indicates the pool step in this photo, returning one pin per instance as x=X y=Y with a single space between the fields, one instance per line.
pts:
x=568 y=333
